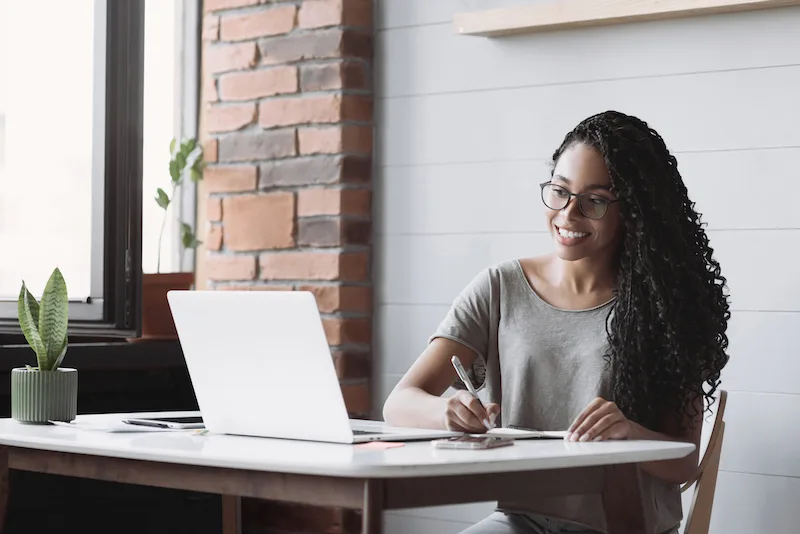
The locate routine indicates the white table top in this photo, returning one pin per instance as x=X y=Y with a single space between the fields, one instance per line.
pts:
x=413 y=459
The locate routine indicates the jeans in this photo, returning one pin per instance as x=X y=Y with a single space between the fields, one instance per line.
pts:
x=508 y=523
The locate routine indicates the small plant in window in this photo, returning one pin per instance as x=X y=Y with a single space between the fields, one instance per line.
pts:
x=186 y=161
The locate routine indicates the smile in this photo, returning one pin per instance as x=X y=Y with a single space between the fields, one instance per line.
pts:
x=568 y=234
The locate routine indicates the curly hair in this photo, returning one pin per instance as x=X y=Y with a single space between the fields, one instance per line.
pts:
x=667 y=327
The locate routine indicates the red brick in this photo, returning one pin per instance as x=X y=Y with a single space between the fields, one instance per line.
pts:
x=315 y=170
x=228 y=118
x=322 y=13
x=214 y=209
x=213 y=240
x=219 y=267
x=347 y=138
x=209 y=91
x=262 y=145
x=261 y=287
x=329 y=201
x=258 y=84
x=299 y=110
x=210 y=28
x=356 y=44
x=332 y=232
x=352 y=365
x=320 y=44
x=357 y=108
x=357 y=399
x=350 y=330
x=215 y=5
x=210 y=150
x=226 y=57
x=259 y=222
x=230 y=179
x=330 y=76
x=348 y=266
x=325 y=108
x=335 y=298
x=301 y=46
x=253 y=24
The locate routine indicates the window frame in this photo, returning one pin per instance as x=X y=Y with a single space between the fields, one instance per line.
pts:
x=122 y=191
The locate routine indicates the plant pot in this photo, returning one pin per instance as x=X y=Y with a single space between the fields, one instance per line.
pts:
x=157 y=320
x=41 y=396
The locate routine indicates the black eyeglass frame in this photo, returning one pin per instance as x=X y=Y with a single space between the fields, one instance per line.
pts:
x=578 y=196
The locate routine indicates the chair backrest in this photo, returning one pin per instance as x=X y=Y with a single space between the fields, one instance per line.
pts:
x=704 y=479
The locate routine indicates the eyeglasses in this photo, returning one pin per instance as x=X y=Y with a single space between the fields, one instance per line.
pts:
x=557 y=198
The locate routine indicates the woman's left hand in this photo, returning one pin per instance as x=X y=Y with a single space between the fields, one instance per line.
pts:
x=600 y=420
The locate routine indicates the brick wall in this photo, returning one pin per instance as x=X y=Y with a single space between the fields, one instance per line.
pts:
x=285 y=203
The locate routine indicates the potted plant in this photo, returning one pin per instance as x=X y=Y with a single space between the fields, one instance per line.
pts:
x=186 y=162
x=46 y=392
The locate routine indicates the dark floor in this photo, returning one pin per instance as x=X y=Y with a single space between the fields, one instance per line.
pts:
x=46 y=504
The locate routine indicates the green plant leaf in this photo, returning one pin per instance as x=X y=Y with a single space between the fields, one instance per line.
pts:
x=29 y=322
x=162 y=199
x=180 y=159
x=174 y=172
x=61 y=353
x=33 y=305
x=53 y=317
x=172 y=146
x=188 y=238
x=196 y=175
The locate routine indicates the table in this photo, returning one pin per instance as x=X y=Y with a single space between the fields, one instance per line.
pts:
x=323 y=474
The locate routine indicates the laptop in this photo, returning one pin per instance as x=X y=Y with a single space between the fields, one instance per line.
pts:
x=261 y=366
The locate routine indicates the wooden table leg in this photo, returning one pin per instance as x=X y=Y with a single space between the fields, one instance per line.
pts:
x=3 y=487
x=622 y=500
x=372 y=510
x=231 y=514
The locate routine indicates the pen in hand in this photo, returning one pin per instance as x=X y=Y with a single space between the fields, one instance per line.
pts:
x=462 y=374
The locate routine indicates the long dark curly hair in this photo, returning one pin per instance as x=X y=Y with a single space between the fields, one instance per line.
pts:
x=667 y=333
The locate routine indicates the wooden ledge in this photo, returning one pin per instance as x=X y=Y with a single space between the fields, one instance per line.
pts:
x=566 y=14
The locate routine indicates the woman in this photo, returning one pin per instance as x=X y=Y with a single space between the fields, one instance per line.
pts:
x=613 y=335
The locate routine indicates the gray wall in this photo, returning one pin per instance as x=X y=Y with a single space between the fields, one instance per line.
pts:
x=465 y=127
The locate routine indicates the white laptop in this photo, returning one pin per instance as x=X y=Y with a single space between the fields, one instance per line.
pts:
x=260 y=365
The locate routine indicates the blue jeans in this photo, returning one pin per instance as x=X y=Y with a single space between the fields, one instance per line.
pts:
x=507 y=523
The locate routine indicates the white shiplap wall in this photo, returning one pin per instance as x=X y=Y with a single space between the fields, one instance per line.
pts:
x=465 y=126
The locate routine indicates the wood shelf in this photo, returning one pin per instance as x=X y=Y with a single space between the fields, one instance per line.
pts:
x=566 y=14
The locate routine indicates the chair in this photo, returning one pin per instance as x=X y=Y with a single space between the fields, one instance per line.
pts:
x=705 y=477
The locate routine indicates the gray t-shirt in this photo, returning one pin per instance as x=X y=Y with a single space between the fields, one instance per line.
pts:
x=543 y=365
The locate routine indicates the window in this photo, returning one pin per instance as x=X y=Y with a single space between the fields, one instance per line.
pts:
x=171 y=83
x=71 y=158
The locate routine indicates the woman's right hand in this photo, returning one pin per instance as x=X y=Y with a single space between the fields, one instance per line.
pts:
x=465 y=413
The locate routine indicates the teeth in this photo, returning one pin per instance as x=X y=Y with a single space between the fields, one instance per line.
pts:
x=567 y=233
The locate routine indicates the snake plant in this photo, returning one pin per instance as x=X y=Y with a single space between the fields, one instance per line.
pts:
x=44 y=323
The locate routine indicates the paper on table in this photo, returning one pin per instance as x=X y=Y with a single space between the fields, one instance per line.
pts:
x=112 y=426
x=379 y=445
x=528 y=434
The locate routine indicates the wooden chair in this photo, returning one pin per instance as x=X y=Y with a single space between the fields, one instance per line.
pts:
x=705 y=477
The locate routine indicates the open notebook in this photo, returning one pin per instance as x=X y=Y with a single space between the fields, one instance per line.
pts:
x=527 y=434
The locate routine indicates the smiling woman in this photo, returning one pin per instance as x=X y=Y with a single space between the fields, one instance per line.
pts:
x=70 y=161
x=596 y=338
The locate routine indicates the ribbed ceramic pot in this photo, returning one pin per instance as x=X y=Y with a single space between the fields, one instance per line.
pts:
x=41 y=396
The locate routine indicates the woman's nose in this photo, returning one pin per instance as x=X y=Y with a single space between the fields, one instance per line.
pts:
x=572 y=210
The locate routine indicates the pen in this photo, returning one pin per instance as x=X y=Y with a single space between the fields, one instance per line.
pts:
x=462 y=374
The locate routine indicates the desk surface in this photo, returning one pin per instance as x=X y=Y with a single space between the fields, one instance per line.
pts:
x=414 y=459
